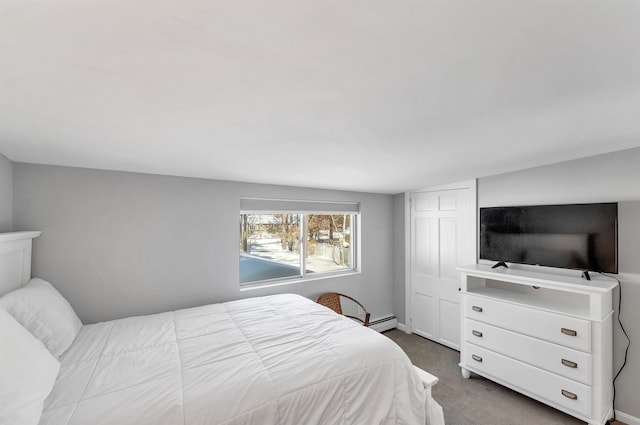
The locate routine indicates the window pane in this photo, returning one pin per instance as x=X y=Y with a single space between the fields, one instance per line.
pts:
x=328 y=243
x=269 y=246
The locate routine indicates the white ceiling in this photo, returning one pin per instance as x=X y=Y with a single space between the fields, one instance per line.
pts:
x=367 y=95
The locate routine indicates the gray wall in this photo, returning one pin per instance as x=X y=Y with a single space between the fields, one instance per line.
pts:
x=6 y=194
x=399 y=257
x=603 y=178
x=118 y=244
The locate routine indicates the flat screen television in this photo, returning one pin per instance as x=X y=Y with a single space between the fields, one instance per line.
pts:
x=577 y=236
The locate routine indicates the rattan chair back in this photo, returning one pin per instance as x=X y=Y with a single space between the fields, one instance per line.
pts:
x=332 y=301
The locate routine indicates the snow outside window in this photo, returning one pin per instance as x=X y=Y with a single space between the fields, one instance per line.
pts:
x=285 y=244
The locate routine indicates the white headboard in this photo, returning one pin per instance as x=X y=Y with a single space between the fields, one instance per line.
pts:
x=15 y=259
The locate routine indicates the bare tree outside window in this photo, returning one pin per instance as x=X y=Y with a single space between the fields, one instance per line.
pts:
x=272 y=245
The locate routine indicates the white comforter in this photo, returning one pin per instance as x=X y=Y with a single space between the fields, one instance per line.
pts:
x=273 y=360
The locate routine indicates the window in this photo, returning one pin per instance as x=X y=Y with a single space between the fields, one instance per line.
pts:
x=296 y=240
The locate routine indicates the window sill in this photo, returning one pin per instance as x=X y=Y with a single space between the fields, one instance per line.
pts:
x=290 y=281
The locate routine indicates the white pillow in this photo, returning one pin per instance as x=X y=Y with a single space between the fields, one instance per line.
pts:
x=41 y=309
x=27 y=373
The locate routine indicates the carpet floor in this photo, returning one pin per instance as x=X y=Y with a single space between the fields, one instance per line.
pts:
x=475 y=401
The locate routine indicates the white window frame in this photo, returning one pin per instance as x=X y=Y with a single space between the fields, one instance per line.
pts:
x=303 y=208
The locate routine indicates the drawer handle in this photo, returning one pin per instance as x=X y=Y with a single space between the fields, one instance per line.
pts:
x=477 y=333
x=569 y=332
x=570 y=395
x=476 y=358
x=569 y=363
x=476 y=308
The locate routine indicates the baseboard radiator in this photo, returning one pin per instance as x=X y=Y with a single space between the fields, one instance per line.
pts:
x=384 y=323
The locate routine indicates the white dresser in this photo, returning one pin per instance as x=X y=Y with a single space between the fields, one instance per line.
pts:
x=548 y=336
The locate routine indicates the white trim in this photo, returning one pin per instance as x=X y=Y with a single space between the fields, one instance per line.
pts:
x=402 y=327
x=261 y=284
x=626 y=418
x=14 y=236
x=303 y=248
x=407 y=261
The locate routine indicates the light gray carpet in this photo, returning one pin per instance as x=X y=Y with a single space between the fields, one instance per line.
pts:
x=474 y=401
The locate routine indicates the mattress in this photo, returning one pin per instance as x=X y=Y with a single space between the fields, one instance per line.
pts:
x=281 y=360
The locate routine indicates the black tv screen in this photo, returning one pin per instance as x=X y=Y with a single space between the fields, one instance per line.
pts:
x=578 y=236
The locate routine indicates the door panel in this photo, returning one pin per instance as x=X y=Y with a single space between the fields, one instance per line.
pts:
x=448 y=202
x=449 y=321
x=448 y=251
x=423 y=314
x=424 y=259
x=425 y=204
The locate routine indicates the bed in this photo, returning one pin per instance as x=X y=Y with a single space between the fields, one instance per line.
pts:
x=280 y=359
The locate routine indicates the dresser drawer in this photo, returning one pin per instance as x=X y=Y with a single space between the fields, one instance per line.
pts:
x=565 y=330
x=551 y=388
x=570 y=363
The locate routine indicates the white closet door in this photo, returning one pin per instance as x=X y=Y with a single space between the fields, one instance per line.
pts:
x=442 y=233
